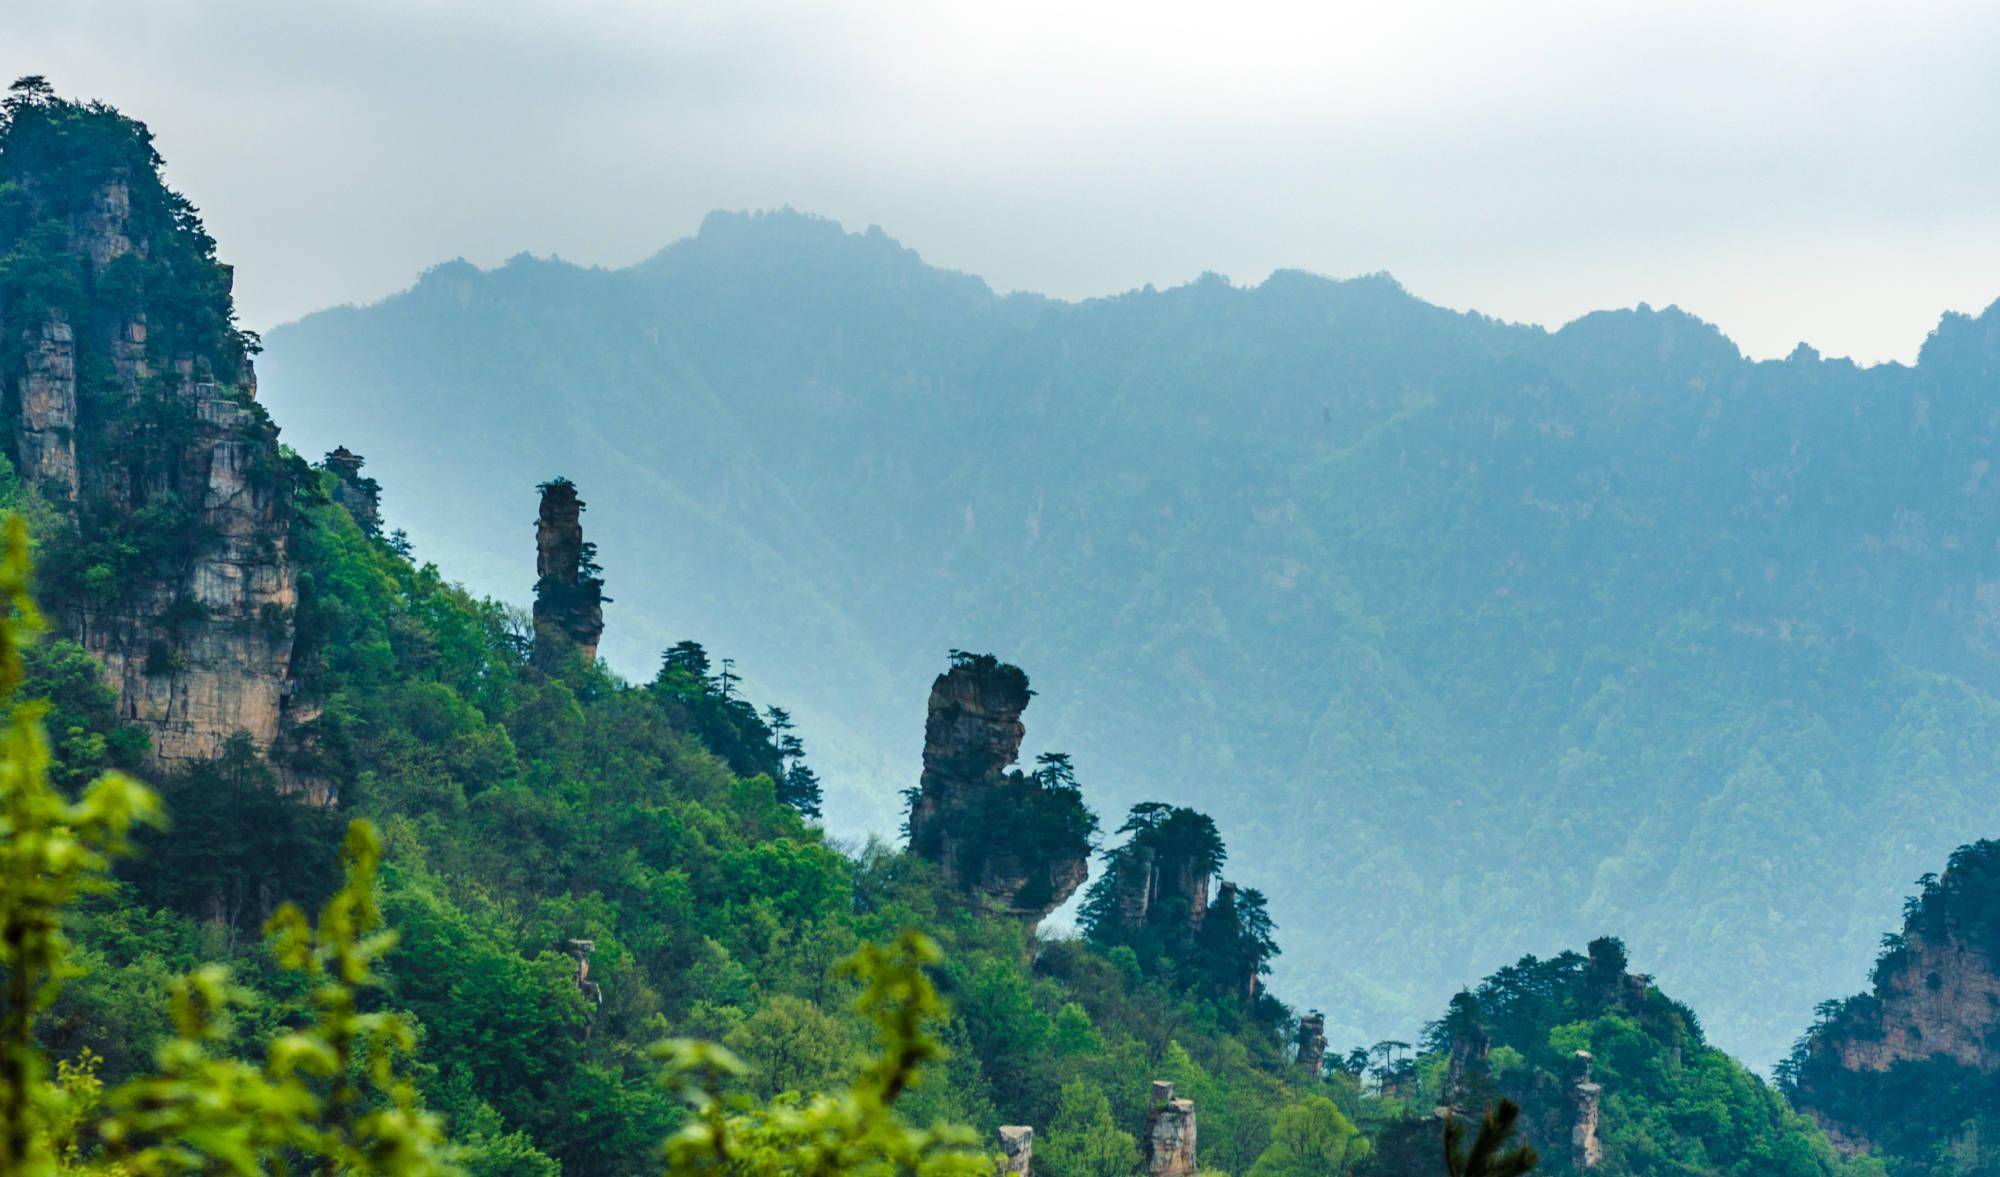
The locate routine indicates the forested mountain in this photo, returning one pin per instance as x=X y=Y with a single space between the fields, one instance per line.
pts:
x=1476 y=637
x=573 y=866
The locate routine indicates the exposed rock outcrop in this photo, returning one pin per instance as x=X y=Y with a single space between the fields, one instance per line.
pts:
x=1931 y=1018
x=569 y=594
x=1017 y=1149
x=1016 y=841
x=361 y=496
x=45 y=431
x=1312 y=1043
x=149 y=444
x=1585 y=1151
x=580 y=951
x=203 y=655
x=1169 y=1144
x=1163 y=875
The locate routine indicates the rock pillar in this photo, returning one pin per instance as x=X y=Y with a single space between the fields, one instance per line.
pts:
x=569 y=595
x=1585 y=1150
x=1017 y=1149
x=1312 y=1043
x=1170 y=1138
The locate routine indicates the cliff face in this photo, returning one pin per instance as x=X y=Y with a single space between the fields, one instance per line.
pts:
x=1930 y=1022
x=131 y=401
x=1011 y=839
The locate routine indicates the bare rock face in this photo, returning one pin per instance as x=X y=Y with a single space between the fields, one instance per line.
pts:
x=1017 y=1149
x=1312 y=1043
x=1586 y=1152
x=1935 y=1003
x=569 y=598
x=199 y=646
x=202 y=656
x=1161 y=884
x=1169 y=1144
x=998 y=835
x=45 y=433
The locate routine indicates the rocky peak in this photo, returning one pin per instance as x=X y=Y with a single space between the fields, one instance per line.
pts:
x=1019 y=842
x=133 y=415
x=569 y=594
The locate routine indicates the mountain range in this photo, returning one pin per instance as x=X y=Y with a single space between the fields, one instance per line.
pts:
x=1479 y=638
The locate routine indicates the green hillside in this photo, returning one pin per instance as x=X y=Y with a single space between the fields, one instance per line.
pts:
x=1360 y=576
x=576 y=865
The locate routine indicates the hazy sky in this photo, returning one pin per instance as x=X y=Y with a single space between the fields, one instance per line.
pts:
x=1819 y=171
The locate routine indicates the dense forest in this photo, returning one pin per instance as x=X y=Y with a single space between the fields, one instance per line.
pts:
x=1309 y=555
x=532 y=871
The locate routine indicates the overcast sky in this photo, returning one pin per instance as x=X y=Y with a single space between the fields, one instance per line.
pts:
x=1812 y=171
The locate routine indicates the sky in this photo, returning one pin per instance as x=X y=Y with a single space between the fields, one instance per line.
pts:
x=1812 y=171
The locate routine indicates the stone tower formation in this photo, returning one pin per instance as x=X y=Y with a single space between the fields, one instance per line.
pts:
x=1168 y=1147
x=112 y=417
x=569 y=596
x=972 y=734
x=1312 y=1043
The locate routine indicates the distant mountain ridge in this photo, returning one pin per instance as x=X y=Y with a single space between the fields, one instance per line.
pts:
x=1479 y=637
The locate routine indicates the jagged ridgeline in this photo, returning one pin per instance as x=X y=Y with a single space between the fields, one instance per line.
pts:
x=578 y=866
x=1911 y=1069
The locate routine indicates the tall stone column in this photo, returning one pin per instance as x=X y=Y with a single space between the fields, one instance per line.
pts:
x=1170 y=1138
x=569 y=596
x=1017 y=1149
x=1585 y=1149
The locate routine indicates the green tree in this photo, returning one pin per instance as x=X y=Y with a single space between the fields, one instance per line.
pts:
x=1310 y=1139
x=1084 y=1140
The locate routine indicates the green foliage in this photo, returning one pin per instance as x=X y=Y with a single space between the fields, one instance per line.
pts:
x=530 y=808
x=1084 y=1140
x=855 y=1131
x=52 y=850
x=1311 y=1139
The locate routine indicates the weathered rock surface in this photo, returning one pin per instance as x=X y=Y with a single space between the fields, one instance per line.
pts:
x=1935 y=1001
x=45 y=433
x=1017 y=1149
x=1312 y=1043
x=199 y=645
x=202 y=656
x=1152 y=884
x=1169 y=1144
x=969 y=809
x=1585 y=1151
x=362 y=496
x=569 y=599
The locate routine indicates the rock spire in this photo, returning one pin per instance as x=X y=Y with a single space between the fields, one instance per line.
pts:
x=569 y=594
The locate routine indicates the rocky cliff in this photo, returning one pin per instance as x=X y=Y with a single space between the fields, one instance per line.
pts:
x=1928 y=1030
x=1017 y=841
x=134 y=423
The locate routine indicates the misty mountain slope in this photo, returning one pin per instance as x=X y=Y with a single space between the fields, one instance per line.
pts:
x=1477 y=639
